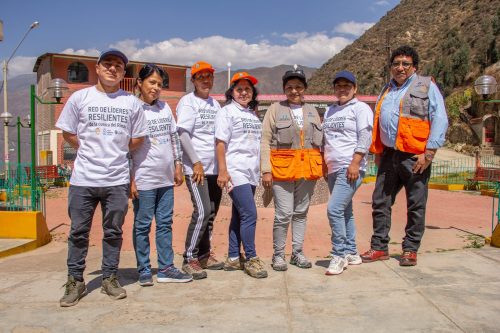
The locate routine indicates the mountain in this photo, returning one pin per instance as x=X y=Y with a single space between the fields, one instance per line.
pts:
x=456 y=40
x=18 y=94
x=269 y=78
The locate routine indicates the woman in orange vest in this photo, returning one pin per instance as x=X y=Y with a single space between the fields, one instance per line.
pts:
x=290 y=164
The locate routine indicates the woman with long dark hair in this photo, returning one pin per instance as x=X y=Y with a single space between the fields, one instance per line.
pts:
x=156 y=168
x=237 y=132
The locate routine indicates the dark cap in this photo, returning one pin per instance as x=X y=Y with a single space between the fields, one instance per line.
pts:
x=113 y=52
x=345 y=75
x=295 y=73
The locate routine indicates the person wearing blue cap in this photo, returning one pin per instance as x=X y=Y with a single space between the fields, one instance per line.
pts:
x=347 y=127
x=104 y=123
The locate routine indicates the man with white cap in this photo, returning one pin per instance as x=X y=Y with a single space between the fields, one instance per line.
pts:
x=103 y=123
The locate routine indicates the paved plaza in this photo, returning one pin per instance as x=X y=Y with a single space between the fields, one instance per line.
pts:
x=454 y=287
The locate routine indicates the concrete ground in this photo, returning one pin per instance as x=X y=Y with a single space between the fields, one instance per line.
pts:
x=451 y=291
x=454 y=287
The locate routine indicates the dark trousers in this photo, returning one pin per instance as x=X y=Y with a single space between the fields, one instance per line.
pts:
x=82 y=202
x=394 y=173
x=206 y=201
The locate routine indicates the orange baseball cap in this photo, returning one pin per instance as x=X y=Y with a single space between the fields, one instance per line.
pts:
x=200 y=66
x=244 y=75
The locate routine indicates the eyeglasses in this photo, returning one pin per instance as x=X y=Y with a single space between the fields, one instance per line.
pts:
x=203 y=77
x=406 y=65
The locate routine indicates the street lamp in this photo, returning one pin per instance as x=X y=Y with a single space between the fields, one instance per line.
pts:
x=57 y=87
x=486 y=85
x=228 y=74
x=4 y=87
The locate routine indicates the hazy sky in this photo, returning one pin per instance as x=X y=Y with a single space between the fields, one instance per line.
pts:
x=246 y=33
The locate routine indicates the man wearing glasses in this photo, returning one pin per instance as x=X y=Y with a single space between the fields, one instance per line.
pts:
x=103 y=123
x=409 y=126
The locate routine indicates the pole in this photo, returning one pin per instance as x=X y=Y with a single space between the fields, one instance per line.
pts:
x=6 y=128
x=18 y=142
x=34 y=194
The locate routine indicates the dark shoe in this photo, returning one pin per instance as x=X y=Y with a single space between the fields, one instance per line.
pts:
x=209 y=261
x=112 y=288
x=146 y=278
x=172 y=275
x=193 y=268
x=73 y=292
x=235 y=265
x=408 y=258
x=373 y=255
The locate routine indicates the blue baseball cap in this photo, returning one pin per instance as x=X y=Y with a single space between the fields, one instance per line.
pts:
x=113 y=52
x=345 y=75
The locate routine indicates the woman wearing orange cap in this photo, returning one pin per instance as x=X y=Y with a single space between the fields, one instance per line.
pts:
x=237 y=132
x=196 y=122
x=291 y=163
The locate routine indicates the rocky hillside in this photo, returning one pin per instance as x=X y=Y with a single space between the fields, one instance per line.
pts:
x=456 y=40
x=269 y=78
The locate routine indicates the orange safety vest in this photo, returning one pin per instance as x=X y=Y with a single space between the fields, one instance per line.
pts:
x=295 y=152
x=414 y=125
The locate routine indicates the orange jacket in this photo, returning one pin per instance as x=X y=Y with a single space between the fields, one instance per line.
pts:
x=414 y=125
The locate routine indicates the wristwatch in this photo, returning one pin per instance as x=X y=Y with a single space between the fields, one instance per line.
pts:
x=178 y=162
x=429 y=156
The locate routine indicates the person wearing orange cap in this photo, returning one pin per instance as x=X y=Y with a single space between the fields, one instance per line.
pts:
x=238 y=132
x=291 y=163
x=196 y=113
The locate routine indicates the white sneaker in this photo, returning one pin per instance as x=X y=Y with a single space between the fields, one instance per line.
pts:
x=353 y=259
x=337 y=266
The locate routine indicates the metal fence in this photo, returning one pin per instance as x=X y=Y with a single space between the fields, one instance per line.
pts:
x=16 y=193
x=457 y=171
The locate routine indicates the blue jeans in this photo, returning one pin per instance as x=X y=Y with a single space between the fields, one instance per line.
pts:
x=243 y=221
x=340 y=212
x=160 y=204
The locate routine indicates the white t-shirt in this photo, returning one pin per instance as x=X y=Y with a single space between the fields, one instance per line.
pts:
x=197 y=116
x=153 y=162
x=341 y=124
x=298 y=115
x=241 y=130
x=104 y=124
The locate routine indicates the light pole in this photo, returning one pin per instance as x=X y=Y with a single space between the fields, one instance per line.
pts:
x=5 y=103
x=228 y=74
x=57 y=86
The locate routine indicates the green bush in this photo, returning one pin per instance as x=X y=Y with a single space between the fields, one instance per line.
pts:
x=456 y=101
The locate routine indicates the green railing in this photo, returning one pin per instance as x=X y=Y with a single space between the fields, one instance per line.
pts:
x=16 y=193
x=457 y=171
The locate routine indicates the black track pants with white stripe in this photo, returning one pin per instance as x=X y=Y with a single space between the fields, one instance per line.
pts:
x=206 y=200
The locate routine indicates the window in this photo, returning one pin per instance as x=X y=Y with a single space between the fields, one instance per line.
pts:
x=78 y=73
